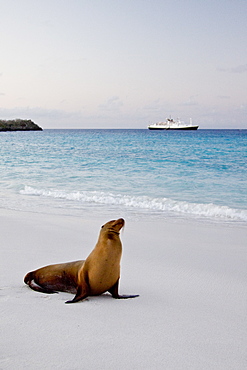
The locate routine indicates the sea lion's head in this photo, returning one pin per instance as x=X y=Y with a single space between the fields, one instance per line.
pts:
x=113 y=226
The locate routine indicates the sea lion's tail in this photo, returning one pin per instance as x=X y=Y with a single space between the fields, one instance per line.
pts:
x=29 y=279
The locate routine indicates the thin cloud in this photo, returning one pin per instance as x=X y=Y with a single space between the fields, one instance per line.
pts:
x=112 y=104
x=190 y=101
x=239 y=69
x=243 y=107
x=154 y=106
x=224 y=97
x=37 y=112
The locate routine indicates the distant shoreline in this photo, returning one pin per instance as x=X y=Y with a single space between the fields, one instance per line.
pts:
x=19 y=125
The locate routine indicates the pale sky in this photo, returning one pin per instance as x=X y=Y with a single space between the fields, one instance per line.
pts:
x=124 y=63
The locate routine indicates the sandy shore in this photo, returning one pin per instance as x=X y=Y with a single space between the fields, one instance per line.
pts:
x=191 y=313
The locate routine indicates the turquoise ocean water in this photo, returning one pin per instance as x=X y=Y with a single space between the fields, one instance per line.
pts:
x=200 y=175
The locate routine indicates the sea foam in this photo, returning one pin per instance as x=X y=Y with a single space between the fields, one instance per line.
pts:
x=141 y=203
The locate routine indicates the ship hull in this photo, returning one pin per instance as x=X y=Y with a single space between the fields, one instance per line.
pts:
x=174 y=128
x=183 y=128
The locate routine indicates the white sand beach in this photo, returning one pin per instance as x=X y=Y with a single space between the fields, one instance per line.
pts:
x=191 y=312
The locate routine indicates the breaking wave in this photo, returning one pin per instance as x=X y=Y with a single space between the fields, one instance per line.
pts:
x=142 y=203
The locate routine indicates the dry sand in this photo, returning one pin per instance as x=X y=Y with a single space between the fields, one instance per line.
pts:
x=191 y=313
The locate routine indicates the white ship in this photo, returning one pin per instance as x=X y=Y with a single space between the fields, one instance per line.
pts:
x=171 y=124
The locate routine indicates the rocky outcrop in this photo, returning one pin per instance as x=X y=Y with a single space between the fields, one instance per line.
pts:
x=19 y=125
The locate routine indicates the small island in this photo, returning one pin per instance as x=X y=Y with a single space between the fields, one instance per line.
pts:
x=18 y=125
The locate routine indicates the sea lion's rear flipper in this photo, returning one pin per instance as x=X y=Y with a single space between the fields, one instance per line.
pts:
x=29 y=279
x=39 y=288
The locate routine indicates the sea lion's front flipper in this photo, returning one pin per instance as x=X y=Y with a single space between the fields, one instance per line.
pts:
x=114 y=292
x=80 y=295
x=82 y=289
x=127 y=296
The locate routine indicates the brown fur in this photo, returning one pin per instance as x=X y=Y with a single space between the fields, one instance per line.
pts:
x=99 y=273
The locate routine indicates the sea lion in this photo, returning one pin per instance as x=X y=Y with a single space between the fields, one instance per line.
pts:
x=99 y=273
